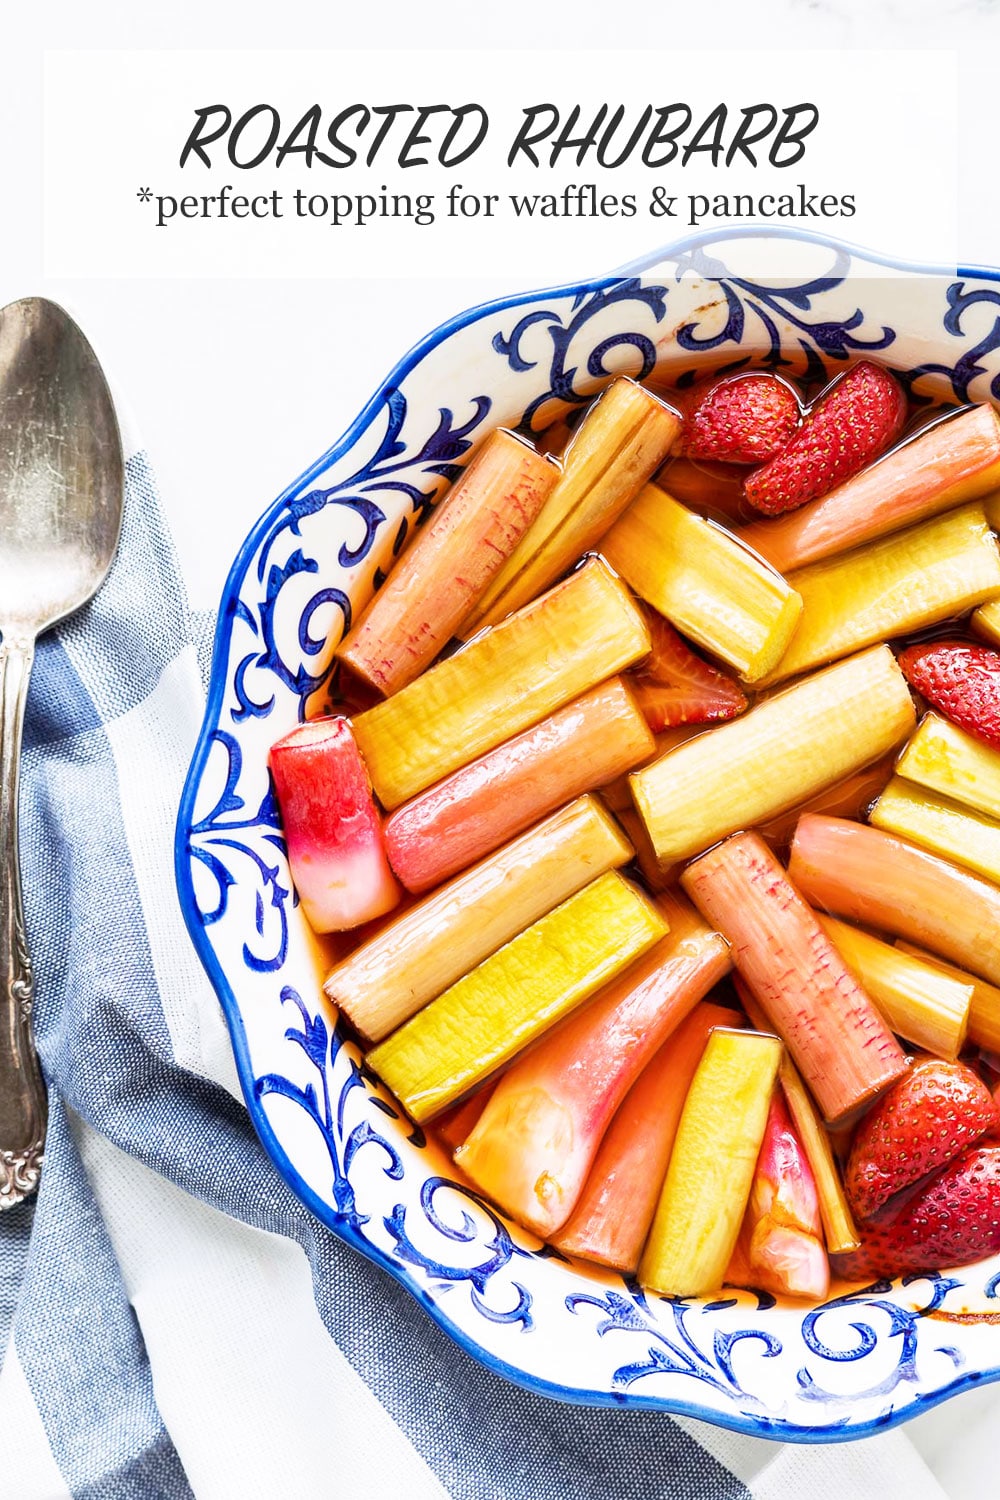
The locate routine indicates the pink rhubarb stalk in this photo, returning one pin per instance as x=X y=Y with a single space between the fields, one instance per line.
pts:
x=479 y=807
x=883 y=882
x=536 y=1140
x=781 y=1247
x=613 y=1213
x=450 y=563
x=332 y=828
x=836 y=1038
x=952 y=461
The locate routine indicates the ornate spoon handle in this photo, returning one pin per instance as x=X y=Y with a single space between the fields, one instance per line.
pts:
x=23 y=1108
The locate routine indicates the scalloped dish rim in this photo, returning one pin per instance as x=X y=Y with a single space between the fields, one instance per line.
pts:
x=735 y=1420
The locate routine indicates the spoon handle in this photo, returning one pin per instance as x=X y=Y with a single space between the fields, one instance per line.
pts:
x=23 y=1108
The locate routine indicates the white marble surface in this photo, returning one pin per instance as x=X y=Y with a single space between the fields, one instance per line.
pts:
x=237 y=386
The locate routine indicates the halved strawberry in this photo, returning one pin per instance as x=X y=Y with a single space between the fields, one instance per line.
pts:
x=676 y=686
x=851 y=423
x=935 y=1111
x=741 y=419
x=950 y=1221
x=961 y=680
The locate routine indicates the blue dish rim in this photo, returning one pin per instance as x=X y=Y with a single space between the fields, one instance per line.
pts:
x=763 y=1427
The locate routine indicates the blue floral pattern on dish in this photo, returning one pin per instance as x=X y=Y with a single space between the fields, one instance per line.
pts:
x=867 y=1357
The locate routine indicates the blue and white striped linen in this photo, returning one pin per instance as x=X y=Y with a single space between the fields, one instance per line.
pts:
x=163 y=1333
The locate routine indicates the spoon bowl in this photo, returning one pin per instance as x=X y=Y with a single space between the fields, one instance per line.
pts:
x=61 y=496
x=61 y=471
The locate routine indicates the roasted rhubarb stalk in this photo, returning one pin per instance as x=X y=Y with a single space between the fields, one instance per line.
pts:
x=920 y=1002
x=784 y=751
x=707 y=584
x=471 y=812
x=940 y=825
x=884 y=882
x=712 y=1165
x=536 y=1140
x=489 y=1015
x=450 y=563
x=953 y=763
x=839 y=1229
x=582 y=631
x=834 y=1034
x=891 y=587
x=437 y=940
x=953 y=461
x=984 y=1009
x=780 y=1247
x=622 y=440
x=612 y=1216
x=332 y=828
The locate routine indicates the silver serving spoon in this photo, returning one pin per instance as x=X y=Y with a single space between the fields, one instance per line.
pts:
x=61 y=495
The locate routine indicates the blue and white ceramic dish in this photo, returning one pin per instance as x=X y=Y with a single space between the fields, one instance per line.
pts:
x=861 y=1361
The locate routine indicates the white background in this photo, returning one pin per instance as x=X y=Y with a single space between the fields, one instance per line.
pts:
x=237 y=384
x=116 y=122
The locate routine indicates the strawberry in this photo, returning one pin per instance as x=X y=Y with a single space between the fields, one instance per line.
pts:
x=952 y=1220
x=929 y=1116
x=675 y=686
x=961 y=680
x=850 y=424
x=742 y=419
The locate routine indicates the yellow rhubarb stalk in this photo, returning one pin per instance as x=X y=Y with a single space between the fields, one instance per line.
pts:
x=984 y=1010
x=953 y=763
x=705 y=582
x=891 y=587
x=985 y=621
x=437 y=940
x=622 y=440
x=784 y=751
x=514 y=995
x=582 y=631
x=610 y=1223
x=968 y=838
x=920 y=1003
x=712 y=1165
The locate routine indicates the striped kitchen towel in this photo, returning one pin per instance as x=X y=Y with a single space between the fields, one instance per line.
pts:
x=172 y=1320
